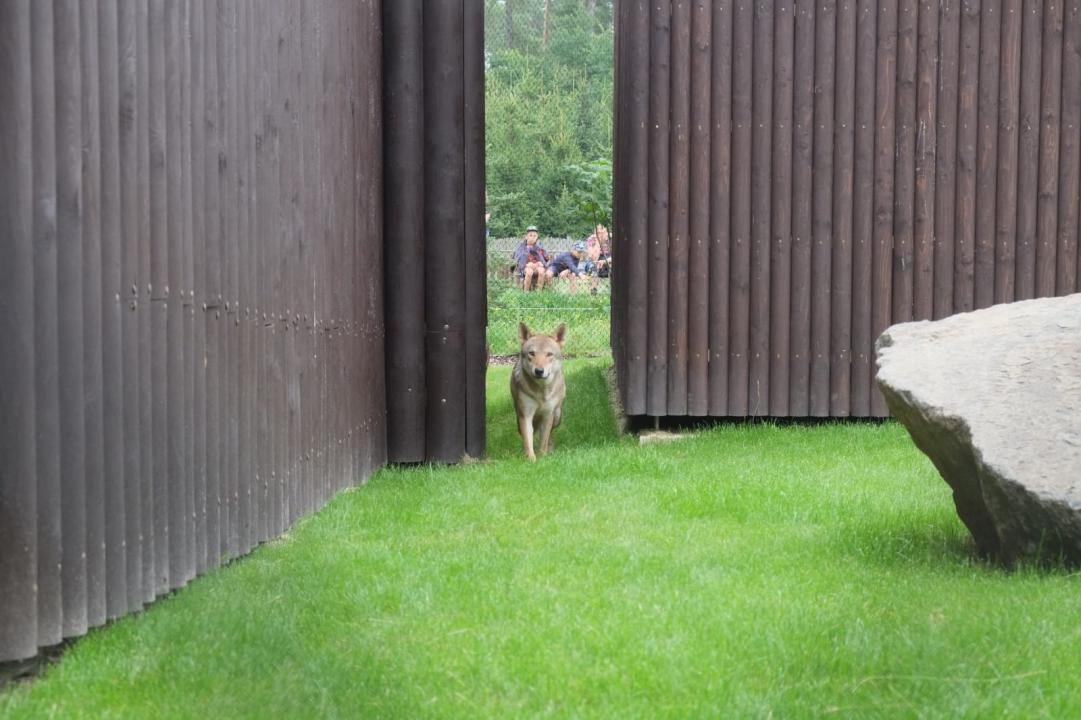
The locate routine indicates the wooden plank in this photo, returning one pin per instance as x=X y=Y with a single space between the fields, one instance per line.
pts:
x=631 y=250
x=923 y=223
x=230 y=166
x=246 y=263
x=1050 y=112
x=116 y=566
x=130 y=275
x=197 y=285
x=263 y=232
x=70 y=326
x=945 y=158
x=213 y=300
x=822 y=208
x=781 y=220
x=404 y=210
x=476 y=303
x=761 y=239
x=739 y=291
x=18 y=532
x=658 y=170
x=1028 y=151
x=678 y=208
x=175 y=383
x=720 y=207
x=186 y=293
x=1069 y=210
x=145 y=308
x=885 y=140
x=699 y=209
x=802 y=201
x=987 y=155
x=444 y=217
x=840 y=376
x=863 y=211
x=46 y=354
x=1008 y=111
x=904 y=194
x=965 y=169
x=93 y=376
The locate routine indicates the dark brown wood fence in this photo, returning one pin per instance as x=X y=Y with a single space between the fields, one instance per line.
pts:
x=794 y=177
x=435 y=263
x=191 y=290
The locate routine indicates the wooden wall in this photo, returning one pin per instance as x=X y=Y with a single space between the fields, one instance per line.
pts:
x=435 y=234
x=794 y=177
x=191 y=290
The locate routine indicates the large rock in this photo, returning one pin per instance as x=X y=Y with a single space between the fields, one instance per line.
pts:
x=993 y=397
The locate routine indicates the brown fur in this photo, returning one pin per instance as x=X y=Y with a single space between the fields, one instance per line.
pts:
x=538 y=388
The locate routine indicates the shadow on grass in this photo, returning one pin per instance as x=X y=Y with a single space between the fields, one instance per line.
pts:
x=588 y=421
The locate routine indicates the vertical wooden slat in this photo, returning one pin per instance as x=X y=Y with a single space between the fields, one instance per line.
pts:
x=987 y=152
x=116 y=570
x=881 y=251
x=965 y=169
x=840 y=377
x=93 y=377
x=145 y=308
x=1028 y=151
x=174 y=297
x=698 y=350
x=476 y=309
x=822 y=207
x=130 y=276
x=1069 y=210
x=631 y=250
x=659 y=183
x=802 y=201
x=923 y=225
x=444 y=217
x=245 y=262
x=46 y=356
x=945 y=157
x=739 y=302
x=228 y=78
x=262 y=238
x=678 y=208
x=186 y=293
x=904 y=195
x=761 y=239
x=863 y=210
x=18 y=531
x=197 y=286
x=213 y=299
x=404 y=270
x=1050 y=109
x=781 y=221
x=69 y=306
x=1002 y=267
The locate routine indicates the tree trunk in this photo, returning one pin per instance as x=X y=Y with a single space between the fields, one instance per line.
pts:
x=547 y=13
x=510 y=25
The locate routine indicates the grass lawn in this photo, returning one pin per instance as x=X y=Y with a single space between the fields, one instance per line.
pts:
x=589 y=316
x=750 y=571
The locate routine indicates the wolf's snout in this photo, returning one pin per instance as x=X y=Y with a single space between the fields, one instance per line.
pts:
x=539 y=372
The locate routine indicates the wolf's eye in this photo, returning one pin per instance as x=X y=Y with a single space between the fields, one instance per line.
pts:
x=549 y=354
x=531 y=353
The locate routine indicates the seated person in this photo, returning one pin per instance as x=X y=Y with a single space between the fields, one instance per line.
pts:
x=567 y=265
x=598 y=252
x=530 y=260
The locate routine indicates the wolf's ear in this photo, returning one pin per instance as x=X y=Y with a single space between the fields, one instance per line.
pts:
x=523 y=332
x=560 y=334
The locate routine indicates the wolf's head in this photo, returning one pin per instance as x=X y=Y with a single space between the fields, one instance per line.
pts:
x=541 y=355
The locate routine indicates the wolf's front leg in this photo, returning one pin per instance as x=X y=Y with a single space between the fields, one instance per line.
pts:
x=525 y=427
x=546 y=433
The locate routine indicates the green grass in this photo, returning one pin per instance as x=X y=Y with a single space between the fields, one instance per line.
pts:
x=749 y=571
x=588 y=316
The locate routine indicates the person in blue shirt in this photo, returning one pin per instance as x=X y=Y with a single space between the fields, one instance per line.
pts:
x=567 y=265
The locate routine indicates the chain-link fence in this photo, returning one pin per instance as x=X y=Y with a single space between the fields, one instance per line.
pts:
x=548 y=91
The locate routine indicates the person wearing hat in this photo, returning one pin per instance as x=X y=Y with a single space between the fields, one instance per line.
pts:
x=566 y=265
x=531 y=260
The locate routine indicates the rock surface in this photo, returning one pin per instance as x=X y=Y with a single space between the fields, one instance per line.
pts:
x=993 y=397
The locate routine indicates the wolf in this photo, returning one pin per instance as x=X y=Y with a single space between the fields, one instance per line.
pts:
x=538 y=388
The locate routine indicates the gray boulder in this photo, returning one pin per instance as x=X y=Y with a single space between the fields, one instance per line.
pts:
x=993 y=397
